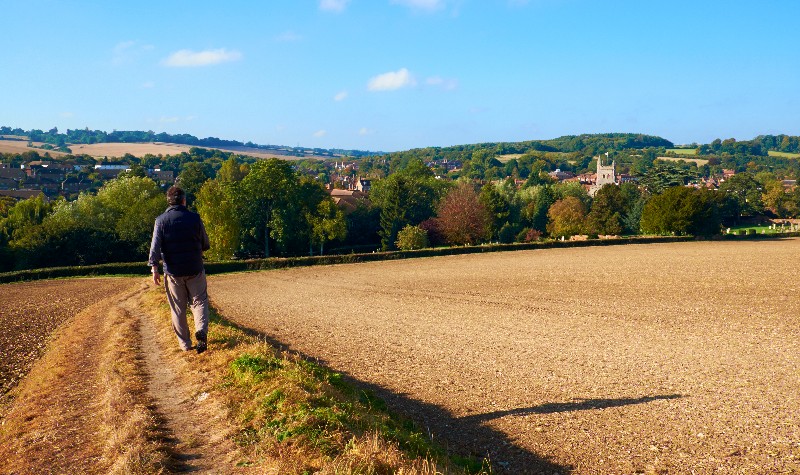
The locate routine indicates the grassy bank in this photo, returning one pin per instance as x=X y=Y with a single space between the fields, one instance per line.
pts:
x=295 y=416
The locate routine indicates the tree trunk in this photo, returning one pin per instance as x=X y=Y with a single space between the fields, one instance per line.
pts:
x=266 y=241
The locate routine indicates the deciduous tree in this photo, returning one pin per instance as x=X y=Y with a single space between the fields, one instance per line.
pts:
x=567 y=217
x=463 y=219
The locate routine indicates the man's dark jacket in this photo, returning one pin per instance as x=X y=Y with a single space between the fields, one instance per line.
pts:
x=179 y=238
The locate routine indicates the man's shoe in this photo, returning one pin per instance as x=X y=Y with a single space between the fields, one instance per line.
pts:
x=202 y=344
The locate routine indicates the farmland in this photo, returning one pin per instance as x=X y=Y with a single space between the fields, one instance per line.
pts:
x=158 y=148
x=683 y=151
x=773 y=153
x=698 y=161
x=29 y=313
x=117 y=149
x=647 y=358
x=650 y=358
x=21 y=146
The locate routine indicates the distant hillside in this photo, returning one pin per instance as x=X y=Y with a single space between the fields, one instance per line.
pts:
x=64 y=141
x=578 y=145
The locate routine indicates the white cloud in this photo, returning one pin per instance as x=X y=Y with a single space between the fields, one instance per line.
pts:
x=446 y=84
x=391 y=81
x=188 y=58
x=427 y=5
x=288 y=37
x=365 y=131
x=320 y=133
x=340 y=96
x=148 y=85
x=333 y=5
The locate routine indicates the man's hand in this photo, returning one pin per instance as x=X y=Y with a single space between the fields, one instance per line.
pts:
x=156 y=276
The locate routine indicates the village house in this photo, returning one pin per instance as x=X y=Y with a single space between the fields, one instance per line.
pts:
x=162 y=176
x=348 y=200
x=561 y=175
x=13 y=174
x=8 y=184
x=75 y=185
x=362 y=184
x=22 y=194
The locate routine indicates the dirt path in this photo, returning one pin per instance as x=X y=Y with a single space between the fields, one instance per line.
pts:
x=670 y=358
x=194 y=425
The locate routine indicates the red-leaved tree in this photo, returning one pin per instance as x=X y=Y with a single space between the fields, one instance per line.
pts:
x=462 y=218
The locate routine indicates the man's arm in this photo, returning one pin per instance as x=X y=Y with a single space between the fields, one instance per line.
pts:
x=155 y=253
x=206 y=244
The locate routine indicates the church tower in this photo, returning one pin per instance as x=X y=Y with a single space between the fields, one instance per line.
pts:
x=606 y=174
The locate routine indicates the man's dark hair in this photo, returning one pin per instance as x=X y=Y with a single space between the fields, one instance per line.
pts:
x=175 y=195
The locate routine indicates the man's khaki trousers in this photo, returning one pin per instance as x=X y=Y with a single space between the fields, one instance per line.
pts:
x=191 y=291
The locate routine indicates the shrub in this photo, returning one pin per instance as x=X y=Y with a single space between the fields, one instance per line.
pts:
x=412 y=237
x=529 y=235
x=508 y=233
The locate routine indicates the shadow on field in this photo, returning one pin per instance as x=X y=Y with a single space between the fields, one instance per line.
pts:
x=461 y=436
x=577 y=405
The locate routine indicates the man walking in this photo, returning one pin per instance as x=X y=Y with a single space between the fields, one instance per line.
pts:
x=179 y=239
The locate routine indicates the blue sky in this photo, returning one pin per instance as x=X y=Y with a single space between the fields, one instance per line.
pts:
x=398 y=74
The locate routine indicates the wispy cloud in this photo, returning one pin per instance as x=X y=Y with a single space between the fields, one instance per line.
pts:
x=186 y=58
x=320 y=133
x=426 y=5
x=168 y=120
x=391 y=81
x=365 y=131
x=333 y=5
x=148 y=85
x=127 y=51
x=340 y=96
x=446 y=84
x=288 y=37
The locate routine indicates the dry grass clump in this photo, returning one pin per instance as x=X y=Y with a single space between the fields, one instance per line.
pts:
x=130 y=428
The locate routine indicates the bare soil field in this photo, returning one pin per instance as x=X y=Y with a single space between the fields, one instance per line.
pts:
x=30 y=312
x=659 y=358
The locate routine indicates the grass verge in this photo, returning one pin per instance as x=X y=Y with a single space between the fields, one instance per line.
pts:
x=294 y=416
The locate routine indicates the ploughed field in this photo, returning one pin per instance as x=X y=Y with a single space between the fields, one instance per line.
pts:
x=658 y=358
x=31 y=311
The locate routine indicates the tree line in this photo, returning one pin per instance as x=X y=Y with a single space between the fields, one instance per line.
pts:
x=257 y=208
